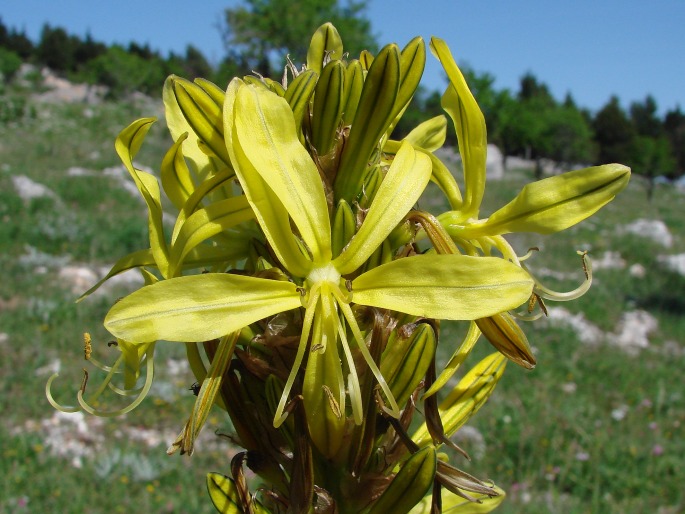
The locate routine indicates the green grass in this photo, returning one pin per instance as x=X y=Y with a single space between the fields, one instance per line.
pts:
x=591 y=429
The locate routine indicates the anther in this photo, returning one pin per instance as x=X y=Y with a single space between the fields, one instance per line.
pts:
x=87 y=347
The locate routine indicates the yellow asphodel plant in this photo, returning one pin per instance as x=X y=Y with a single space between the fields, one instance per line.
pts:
x=322 y=284
x=282 y=185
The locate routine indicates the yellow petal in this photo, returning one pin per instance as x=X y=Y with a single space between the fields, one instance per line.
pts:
x=406 y=179
x=429 y=135
x=270 y=212
x=558 y=202
x=468 y=119
x=198 y=307
x=127 y=145
x=454 y=287
x=467 y=397
x=265 y=132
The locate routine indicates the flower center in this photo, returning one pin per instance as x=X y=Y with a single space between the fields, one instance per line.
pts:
x=322 y=274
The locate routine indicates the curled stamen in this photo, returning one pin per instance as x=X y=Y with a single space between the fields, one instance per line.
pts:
x=124 y=392
x=86 y=405
x=549 y=294
x=85 y=381
x=530 y=253
x=51 y=399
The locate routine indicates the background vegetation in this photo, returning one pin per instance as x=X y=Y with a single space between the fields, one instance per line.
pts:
x=594 y=428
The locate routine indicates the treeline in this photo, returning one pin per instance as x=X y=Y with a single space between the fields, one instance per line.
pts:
x=123 y=69
x=529 y=122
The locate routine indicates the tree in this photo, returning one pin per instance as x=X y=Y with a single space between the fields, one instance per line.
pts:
x=651 y=158
x=674 y=128
x=264 y=31
x=614 y=133
x=196 y=65
x=17 y=42
x=645 y=119
x=125 y=72
x=56 y=49
x=566 y=137
x=88 y=49
x=530 y=88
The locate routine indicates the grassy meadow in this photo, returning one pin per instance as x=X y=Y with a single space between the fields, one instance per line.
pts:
x=598 y=426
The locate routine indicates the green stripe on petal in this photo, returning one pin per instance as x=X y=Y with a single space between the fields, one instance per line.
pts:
x=406 y=179
x=199 y=307
x=454 y=287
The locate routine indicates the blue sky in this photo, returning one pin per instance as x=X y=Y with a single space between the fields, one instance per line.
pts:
x=590 y=48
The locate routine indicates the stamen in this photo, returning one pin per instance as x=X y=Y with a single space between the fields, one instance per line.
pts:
x=352 y=322
x=352 y=379
x=530 y=253
x=332 y=402
x=85 y=380
x=143 y=392
x=549 y=294
x=280 y=416
x=87 y=347
x=51 y=399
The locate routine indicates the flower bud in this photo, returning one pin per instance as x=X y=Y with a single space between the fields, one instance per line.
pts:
x=507 y=337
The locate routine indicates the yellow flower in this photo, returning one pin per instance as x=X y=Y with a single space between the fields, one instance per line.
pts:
x=284 y=189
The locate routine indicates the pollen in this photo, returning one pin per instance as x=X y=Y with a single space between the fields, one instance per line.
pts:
x=87 y=347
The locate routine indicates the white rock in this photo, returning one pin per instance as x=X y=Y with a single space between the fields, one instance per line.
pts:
x=28 y=189
x=609 y=260
x=656 y=230
x=493 y=163
x=586 y=331
x=674 y=262
x=77 y=171
x=78 y=278
x=637 y=271
x=632 y=332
